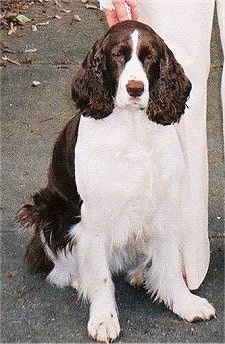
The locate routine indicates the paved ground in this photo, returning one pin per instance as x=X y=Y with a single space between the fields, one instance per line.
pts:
x=32 y=310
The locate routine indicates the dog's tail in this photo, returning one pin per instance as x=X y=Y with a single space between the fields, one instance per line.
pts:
x=50 y=217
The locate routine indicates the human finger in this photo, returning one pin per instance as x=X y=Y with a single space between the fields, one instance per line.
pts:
x=133 y=8
x=121 y=10
x=111 y=17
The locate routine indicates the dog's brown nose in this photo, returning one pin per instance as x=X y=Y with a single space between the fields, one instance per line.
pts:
x=135 y=88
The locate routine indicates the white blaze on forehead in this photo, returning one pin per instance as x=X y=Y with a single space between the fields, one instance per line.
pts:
x=133 y=70
x=134 y=38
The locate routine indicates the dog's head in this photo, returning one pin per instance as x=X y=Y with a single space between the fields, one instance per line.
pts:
x=131 y=66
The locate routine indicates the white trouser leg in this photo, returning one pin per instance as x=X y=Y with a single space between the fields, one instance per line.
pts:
x=220 y=4
x=186 y=28
x=164 y=279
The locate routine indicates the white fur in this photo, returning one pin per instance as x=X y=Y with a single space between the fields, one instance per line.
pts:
x=132 y=71
x=128 y=174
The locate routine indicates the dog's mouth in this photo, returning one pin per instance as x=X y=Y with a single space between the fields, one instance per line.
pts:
x=130 y=101
x=137 y=102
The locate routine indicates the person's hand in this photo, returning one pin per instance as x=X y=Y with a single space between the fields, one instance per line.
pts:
x=120 y=13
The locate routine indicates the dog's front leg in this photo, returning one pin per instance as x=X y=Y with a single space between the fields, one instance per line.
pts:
x=96 y=285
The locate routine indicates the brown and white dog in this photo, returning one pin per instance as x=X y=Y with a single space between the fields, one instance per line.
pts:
x=112 y=202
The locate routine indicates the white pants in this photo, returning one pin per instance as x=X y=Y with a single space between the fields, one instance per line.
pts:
x=186 y=26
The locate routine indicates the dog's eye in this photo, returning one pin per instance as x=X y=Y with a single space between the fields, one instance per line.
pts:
x=148 y=57
x=119 y=54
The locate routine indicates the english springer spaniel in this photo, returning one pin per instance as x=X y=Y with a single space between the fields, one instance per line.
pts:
x=112 y=200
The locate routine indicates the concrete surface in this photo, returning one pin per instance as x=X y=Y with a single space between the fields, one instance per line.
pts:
x=32 y=310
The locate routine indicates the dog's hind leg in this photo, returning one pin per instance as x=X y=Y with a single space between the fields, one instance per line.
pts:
x=51 y=248
x=64 y=272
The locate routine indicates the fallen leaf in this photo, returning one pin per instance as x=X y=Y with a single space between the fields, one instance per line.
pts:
x=10 y=15
x=5 y=58
x=91 y=6
x=66 y=11
x=36 y=83
x=76 y=17
x=22 y=19
x=57 y=16
x=12 y=29
x=43 y=23
x=34 y=28
x=57 y=3
x=32 y=50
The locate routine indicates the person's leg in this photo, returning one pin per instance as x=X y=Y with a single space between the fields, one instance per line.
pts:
x=221 y=18
x=186 y=28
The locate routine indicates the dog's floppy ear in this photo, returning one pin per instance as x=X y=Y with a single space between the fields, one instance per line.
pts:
x=89 y=89
x=169 y=95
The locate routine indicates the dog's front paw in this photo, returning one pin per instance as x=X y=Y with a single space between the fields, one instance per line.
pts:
x=194 y=308
x=104 y=328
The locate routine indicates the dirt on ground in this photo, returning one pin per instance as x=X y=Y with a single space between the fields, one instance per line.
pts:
x=17 y=14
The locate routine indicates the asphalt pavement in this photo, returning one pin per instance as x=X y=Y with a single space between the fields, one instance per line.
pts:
x=46 y=52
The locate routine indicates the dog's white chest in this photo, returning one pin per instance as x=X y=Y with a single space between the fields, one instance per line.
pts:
x=113 y=157
x=121 y=169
